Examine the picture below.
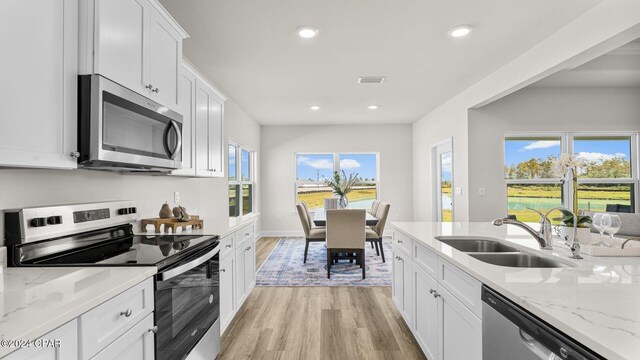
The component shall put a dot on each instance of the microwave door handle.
(179, 270)
(173, 153)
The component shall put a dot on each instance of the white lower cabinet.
(426, 327)
(135, 344)
(227, 291)
(237, 272)
(446, 327)
(460, 329)
(67, 335)
(402, 284)
(120, 328)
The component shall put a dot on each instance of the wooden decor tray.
(164, 225)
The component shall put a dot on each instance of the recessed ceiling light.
(307, 32)
(315, 107)
(373, 107)
(460, 31)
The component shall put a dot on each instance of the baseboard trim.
(297, 233)
(281, 233)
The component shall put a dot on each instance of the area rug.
(285, 267)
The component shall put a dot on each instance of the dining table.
(320, 218)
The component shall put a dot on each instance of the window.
(313, 169)
(241, 180)
(607, 180)
(530, 180)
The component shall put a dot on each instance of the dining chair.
(346, 234)
(374, 207)
(310, 234)
(374, 233)
(312, 225)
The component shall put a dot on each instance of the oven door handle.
(171, 273)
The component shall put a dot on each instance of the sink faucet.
(543, 236)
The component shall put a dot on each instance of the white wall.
(607, 26)
(22, 188)
(280, 143)
(537, 109)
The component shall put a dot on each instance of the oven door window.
(132, 129)
(186, 307)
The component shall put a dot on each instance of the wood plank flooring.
(319, 323)
(264, 247)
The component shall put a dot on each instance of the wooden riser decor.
(164, 225)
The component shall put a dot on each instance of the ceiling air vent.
(371, 79)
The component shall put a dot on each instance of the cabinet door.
(135, 344)
(164, 60)
(461, 330)
(67, 335)
(239, 276)
(227, 290)
(204, 98)
(186, 107)
(397, 286)
(39, 83)
(216, 137)
(402, 285)
(426, 313)
(119, 42)
(249, 265)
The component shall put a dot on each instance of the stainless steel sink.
(520, 260)
(477, 245)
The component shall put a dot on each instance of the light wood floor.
(319, 323)
(264, 246)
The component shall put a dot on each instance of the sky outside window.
(362, 164)
(314, 167)
(232, 162)
(246, 165)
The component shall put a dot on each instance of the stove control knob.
(123, 211)
(54, 220)
(133, 210)
(38, 222)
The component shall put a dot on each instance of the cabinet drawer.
(103, 324)
(227, 245)
(461, 285)
(402, 241)
(425, 259)
(137, 343)
(244, 233)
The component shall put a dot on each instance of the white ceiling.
(619, 68)
(251, 51)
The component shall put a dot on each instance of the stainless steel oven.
(188, 308)
(121, 130)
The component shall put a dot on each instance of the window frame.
(239, 181)
(336, 167)
(567, 146)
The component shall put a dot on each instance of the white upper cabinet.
(165, 60)
(135, 43)
(119, 41)
(186, 107)
(39, 83)
(202, 108)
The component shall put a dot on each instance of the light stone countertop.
(211, 226)
(597, 302)
(38, 300)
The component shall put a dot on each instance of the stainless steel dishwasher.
(511, 333)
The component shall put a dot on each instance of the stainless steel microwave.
(121, 130)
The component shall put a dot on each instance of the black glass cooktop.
(116, 246)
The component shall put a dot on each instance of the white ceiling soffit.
(618, 68)
(251, 51)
